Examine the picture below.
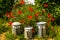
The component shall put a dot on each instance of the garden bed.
(29, 17)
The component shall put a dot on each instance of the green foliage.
(9, 36)
(21, 37)
(3, 27)
(5, 6)
(57, 33)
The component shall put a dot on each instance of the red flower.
(10, 23)
(48, 20)
(30, 9)
(49, 16)
(36, 14)
(29, 17)
(6, 14)
(45, 5)
(22, 2)
(9, 14)
(33, 30)
(19, 12)
(52, 19)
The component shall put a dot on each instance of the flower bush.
(28, 15)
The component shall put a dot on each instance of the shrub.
(5, 6)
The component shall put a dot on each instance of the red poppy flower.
(8, 14)
(52, 19)
(19, 12)
(45, 5)
(29, 17)
(33, 30)
(36, 14)
(22, 2)
(49, 16)
(48, 20)
(11, 13)
(30, 9)
(10, 23)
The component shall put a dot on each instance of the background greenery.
(5, 6)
